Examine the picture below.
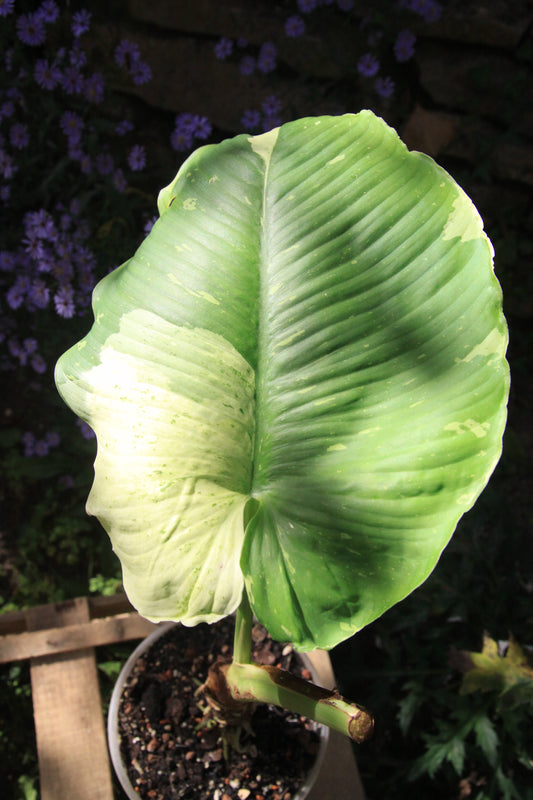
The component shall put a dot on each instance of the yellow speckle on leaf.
(335, 160)
(492, 345)
(479, 429)
(190, 204)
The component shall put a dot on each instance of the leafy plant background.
(142, 88)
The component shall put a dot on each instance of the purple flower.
(16, 350)
(294, 26)
(64, 302)
(433, 13)
(7, 261)
(46, 75)
(186, 122)
(52, 439)
(39, 294)
(7, 167)
(77, 56)
(63, 271)
(223, 48)
(16, 294)
(149, 224)
(66, 482)
(181, 140)
(48, 11)
(137, 157)
(202, 127)
(38, 364)
(270, 122)
(5, 194)
(72, 80)
(368, 65)
(141, 73)
(30, 29)
(384, 87)
(247, 65)
(41, 448)
(41, 224)
(266, 60)
(428, 9)
(306, 6)
(19, 136)
(80, 22)
(127, 53)
(33, 245)
(404, 46)
(6, 7)
(271, 105)
(94, 88)
(123, 127)
(86, 431)
(30, 345)
(345, 5)
(28, 440)
(72, 126)
(251, 120)
(7, 109)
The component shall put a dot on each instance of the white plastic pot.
(113, 732)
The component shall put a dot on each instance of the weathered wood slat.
(69, 726)
(93, 633)
(99, 606)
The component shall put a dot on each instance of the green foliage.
(18, 765)
(297, 419)
(510, 674)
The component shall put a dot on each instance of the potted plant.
(298, 385)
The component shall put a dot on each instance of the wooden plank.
(69, 725)
(107, 630)
(99, 606)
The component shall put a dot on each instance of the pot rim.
(113, 736)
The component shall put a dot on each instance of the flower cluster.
(379, 45)
(39, 447)
(188, 129)
(402, 44)
(52, 265)
(250, 60)
(61, 78)
(429, 10)
(265, 118)
(128, 57)
(52, 117)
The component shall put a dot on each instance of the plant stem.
(242, 642)
(258, 683)
(248, 682)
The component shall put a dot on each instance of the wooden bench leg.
(70, 731)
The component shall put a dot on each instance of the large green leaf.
(297, 382)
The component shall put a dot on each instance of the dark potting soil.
(170, 755)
